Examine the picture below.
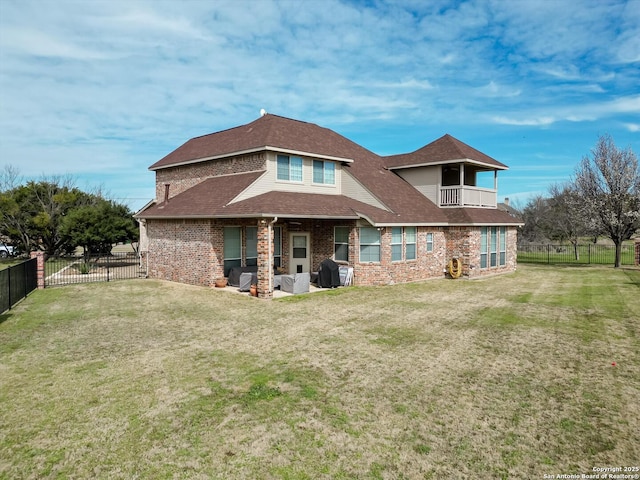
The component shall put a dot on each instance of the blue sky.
(100, 90)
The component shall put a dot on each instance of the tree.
(97, 227)
(35, 216)
(608, 185)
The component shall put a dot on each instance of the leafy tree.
(45, 215)
(608, 186)
(97, 227)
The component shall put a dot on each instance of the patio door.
(299, 252)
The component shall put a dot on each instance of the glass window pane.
(318, 176)
(483, 240)
(369, 235)
(232, 242)
(295, 171)
(299, 241)
(252, 242)
(503, 258)
(341, 234)
(299, 252)
(411, 251)
(429, 242)
(329, 173)
(370, 253)
(483, 260)
(283, 167)
(410, 234)
(396, 253)
(342, 252)
(493, 260)
(277, 241)
(396, 235)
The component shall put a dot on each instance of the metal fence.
(93, 268)
(587, 253)
(17, 282)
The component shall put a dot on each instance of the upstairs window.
(289, 168)
(324, 172)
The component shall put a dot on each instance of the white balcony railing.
(468, 197)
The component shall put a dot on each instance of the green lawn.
(507, 377)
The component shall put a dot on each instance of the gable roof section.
(267, 131)
(446, 149)
(211, 199)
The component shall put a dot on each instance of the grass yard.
(507, 377)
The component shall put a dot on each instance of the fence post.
(589, 253)
(40, 268)
(637, 262)
(548, 253)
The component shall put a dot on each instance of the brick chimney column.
(40, 268)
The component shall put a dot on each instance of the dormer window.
(324, 172)
(289, 168)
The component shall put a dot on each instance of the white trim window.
(403, 243)
(490, 239)
(251, 246)
(396, 244)
(324, 172)
(341, 243)
(369, 245)
(429, 242)
(232, 249)
(410, 243)
(289, 168)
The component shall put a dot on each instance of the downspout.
(269, 240)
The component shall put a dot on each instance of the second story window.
(289, 168)
(324, 172)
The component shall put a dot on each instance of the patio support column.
(265, 261)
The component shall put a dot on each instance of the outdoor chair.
(297, 283)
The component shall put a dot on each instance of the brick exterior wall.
(184, 177)
(426, 265)
(192, 251)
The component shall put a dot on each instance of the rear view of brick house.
(279, 193)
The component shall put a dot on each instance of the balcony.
(466, 196)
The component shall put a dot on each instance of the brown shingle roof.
(442, 150)
(211, 198)
(267, 131)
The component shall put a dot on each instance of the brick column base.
(40, 268)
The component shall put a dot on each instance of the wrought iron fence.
(17, 282)
(92, 268)
(587, 253)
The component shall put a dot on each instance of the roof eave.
(445, 162)
(254, 150)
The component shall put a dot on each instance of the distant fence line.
(582, 253)
(92, 268)
(17, 282)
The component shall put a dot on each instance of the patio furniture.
(328, 274)
(235, 272)
(246, 280)
(296, 283)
